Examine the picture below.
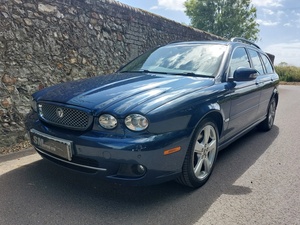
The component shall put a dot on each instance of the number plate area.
(56, 146)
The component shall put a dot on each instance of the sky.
(279, 23)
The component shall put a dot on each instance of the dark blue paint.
(173, 104)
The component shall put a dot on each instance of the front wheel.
(201, 155)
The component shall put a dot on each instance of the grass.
(288, 73)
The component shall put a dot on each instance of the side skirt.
(240, 134)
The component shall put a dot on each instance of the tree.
(225, 18)
(283, 64)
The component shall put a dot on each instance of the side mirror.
(244, 74)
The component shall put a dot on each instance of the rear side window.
(256, 61)
(267, 63)
(239, 59)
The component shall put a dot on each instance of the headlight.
(33, 105)
(108, 121)
(136, 122)
(40, 109)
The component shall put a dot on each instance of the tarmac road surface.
(256, 181)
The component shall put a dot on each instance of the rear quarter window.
(267, 63)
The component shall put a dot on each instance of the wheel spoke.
(270, 119)
(273, 109)
(272, 112)
(212, 146)
(206, 131)
(199, 147)
(211, 156)
(198, 167)
(207, 165)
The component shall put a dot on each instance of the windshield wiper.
(148, 71)
(159, 72)
(130, 71)
(142, 71)
(194, 75)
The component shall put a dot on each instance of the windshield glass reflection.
(183, 59)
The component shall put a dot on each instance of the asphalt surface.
(256, 181)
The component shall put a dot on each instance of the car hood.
(122, 92)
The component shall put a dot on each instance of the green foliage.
(225, 18)
(288, 73)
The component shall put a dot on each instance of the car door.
(244, 96)
(265, 81)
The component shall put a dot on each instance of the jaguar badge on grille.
(60, 112)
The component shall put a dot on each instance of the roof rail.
(239, 39)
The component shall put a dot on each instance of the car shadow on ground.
(50, 190)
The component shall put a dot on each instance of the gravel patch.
(15, 148)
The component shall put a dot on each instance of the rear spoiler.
(272, 57)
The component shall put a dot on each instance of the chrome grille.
(64, 117)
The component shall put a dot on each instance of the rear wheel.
(201, 155)
(268, 123)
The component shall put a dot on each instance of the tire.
(201, 155)
(268, 123)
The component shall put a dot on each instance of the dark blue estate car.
(163, 116)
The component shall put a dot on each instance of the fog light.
(131, 170)
(140, 169)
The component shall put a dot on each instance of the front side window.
(256, 61)
(196, 59)
(239, 59)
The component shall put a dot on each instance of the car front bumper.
(138, 160)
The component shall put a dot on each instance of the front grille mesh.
(65, 117)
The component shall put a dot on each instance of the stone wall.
(44, 42)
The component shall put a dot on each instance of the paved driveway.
(256, 181)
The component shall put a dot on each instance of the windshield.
(185, 59)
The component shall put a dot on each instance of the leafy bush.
(288, 73)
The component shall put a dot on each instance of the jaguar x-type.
(163, 116)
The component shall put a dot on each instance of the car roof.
(233, 42)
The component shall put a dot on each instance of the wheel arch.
(188, 177)
(215, 116)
